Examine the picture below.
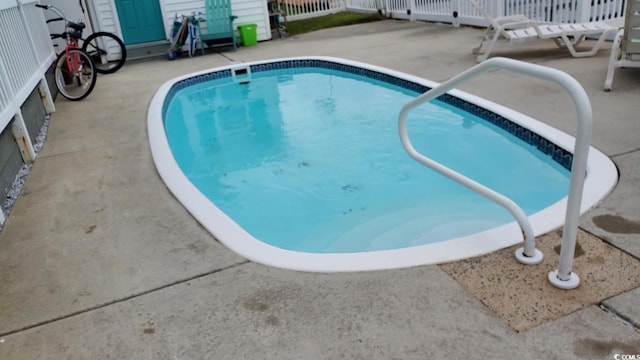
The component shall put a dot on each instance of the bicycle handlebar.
(77, 26)
(54, 19)
(55, 10)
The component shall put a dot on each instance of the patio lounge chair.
(625, 51)
(513, 29)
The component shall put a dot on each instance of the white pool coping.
(598, 184)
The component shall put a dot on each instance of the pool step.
(404, 226)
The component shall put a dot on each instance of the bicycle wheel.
(75, 74)
(106, 50)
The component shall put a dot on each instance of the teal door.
(140, 21)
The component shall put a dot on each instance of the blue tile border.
(323, 64)
(215, 75)
(558, 154)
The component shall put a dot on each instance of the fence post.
(498, 8)
(583, 11)
(344, 5)
(455, 13)
(46, 96)
(21, 135)
(412, 10)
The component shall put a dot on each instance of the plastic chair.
(219, 25)
(625, 51)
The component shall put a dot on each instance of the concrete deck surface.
(99, 261)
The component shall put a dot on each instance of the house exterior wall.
(253, 12)
(104, 16)
(99, 15)
(247, 11)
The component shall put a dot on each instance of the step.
(146, 51)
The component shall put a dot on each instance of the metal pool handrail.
(563, 277)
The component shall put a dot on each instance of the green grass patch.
(328, 21)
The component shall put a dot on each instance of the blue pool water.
(309, 159)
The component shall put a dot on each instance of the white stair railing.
(563, 277)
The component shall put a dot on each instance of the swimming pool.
(377, 216)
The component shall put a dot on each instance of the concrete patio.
(100, 261)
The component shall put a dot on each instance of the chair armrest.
(514, 25)
(513, 22)
(510, 18)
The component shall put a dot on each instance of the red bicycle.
(75, 72)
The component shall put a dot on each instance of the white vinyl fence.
(26, 52)
(555, 11)
(25, 55)
(304, 9)
(459, 12)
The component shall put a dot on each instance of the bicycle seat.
(79, 26)
(75, 34)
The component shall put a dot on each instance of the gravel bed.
(21, 177)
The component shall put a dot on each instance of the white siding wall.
(171, 8)
(248, 11)
(105, 16)
(70, 9)
(253, 12)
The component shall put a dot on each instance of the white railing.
(461, 12)
(567, 11)
(364, 5)
(26, 52)
(562, 278)
(544, 11)
(304, 9)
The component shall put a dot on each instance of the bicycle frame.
(73, 62)
(106, 49)
(74, 66)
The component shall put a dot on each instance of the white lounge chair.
(516, 28)
(625, 51)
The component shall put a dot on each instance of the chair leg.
(575, 41)
(579, 54)
(559, 42)
(486, 36)
(484, 55)
(613, 59)
(477, 50)
(578, 40)
(570, 47)
(200, 39)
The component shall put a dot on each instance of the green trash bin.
(248, 34)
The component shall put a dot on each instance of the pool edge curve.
(597, 186)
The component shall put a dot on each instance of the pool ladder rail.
(563, 277)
